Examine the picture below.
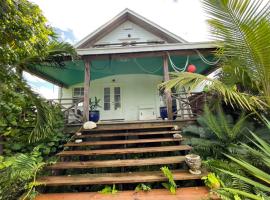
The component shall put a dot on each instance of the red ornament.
(191, 68)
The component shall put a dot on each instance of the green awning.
(73, 71)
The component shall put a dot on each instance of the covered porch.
(126, 81)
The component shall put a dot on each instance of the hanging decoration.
(191, 68)
(146, 70)
(176, 69)
(207, 61)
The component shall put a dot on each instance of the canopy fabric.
(73, 71)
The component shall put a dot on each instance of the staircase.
(122, 154)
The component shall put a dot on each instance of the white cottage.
(122, 63)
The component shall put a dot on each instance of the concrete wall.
(139, 96)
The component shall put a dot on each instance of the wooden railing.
(71, 108)
(188, 105)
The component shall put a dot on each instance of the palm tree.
(53, 54)
(241, 29)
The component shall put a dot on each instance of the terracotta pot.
(194, 162)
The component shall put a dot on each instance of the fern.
(19, 175)
(217, 133)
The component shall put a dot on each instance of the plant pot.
(94, 116)
(164, 113)
(194, 162)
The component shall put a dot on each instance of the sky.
(74, 19)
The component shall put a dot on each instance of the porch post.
(167, 93)
(86, 90)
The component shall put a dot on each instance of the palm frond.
(231, 95)
(44, 120)
(243, 193)
(54, 54)
(247, 180)
(257, 177)
(244, 28)
(252, 170)
(242, 31)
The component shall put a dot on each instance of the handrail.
(189, 104)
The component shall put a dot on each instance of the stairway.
(122, 154)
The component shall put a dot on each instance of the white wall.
(120, 34)
(138, 92)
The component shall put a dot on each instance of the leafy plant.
(243, 177)
(171, 185)
(259, 178)
(217, 133)
(94, 104)
(18, 121)
(27, 41)
(142, 187)
(18, 174)
(109, 190)
(212, 181)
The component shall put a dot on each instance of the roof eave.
(149, 48)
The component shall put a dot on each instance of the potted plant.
(163, 108)
(94, 114)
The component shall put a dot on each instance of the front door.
(112, 103)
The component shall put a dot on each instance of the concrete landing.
(190, 193)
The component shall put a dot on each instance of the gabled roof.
(130, 15)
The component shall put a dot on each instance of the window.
(78, 92)
(117, 98)
(112, 98)
(107, 98)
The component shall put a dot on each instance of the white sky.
(184, 18)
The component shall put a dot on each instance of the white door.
(112, 103)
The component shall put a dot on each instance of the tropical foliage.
(28, 40)
(216, 134)
(18, 174)
(27, 121)
(242, 31)
(248, 176)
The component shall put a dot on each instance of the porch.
(187, 107)
(127, 82)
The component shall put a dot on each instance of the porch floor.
(139, 121)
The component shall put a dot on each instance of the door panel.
(112, 103)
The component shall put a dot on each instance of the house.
(122, 63)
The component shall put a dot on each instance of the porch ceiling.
(73, 71)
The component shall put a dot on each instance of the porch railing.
(188, 105)
(72, 109)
